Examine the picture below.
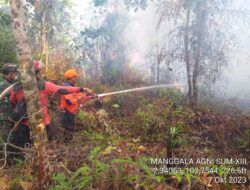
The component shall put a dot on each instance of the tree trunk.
(46, 56)
(152, 70)
(158, 66)
(158, 70)
(44, 42)
(28, 77)
(200, 28)
(97, 62)
(187, 56)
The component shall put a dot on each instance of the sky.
(141, 33)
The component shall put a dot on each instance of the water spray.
(139, 89)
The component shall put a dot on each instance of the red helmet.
(37, 65)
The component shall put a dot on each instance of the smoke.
(143, 35)
(237, 78)
(143, 38)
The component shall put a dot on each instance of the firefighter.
(9, 76)
(45, 88)
(71, 102)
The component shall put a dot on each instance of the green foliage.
(116, 110)
(94, 153)
(19, 162)
(130, 4)
(94, 136)
(176, 139)
(149, 174)
(81, 178)
(87, 121)
(108, 150)
(57, 24)
(92, 173)
(209, 30)
(82, 115)
(222, 170)
(61, 182)
(174, 94)
(111, 72)
(160, 122)
(141, 164)
(4, 2)
(15, 184)
(208, 151)
(102, 117)
(116, 106)
(244, 140)
(148, 123)
(185, 174)
(85, 174)
(103, 45)
(5, 19)
(7, 42)
(98, 88)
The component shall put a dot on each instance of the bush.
(7, 41)
(175, 95)
(97, 173)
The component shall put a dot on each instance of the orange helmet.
(70, 74)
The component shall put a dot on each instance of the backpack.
(20, 111)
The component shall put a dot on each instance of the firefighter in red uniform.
(71, 102)
(45, 88)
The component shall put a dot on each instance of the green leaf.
(108, 150)
(82, 115)
(116, 106)
(94, 153)
(84, 170)
(61, 182)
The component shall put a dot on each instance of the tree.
(28, 79)
(49, 27)
(7, 42)
(154, 60)
(198, 43)
(203, 38)
(130, 4)
(101, 45)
